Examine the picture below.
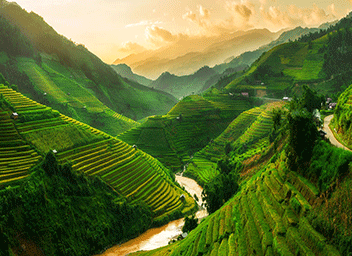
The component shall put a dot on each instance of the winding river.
(157, 237)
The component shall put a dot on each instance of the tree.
(219, 190)
(190, 224)
(277, 117)
(310, 99)
(302, 136)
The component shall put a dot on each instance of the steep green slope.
(247, 135)
(278, 71)
(126, 72)
(129, 171)
(314, 59)
(277, 212)
(341, 123)
(181, 86)
(187, 128)
(76, 82)
(57, 211)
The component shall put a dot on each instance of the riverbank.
(157, 237)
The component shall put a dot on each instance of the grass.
(250, 128)
(131, 172)
(260, 220)
(188, 127)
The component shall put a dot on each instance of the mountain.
(178, 139)
(249, 57)
(126, 72)
(181, 86)
(192, 58)
(251, 128)
(56, 71)
(279, 209)
(110, 190)
(314, 59)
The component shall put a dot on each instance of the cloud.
(143, 23)
(242, 11)
(129, 47)
(296, 16)
(201, 18)
(158, 35)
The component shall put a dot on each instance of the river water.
(157, 237)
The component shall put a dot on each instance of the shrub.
(190, 223)
(328, 164)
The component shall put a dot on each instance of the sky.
(113, 29)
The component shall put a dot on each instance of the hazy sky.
(115, 28)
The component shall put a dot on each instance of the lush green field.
(187, 128)
(57, 211)
(68, 90)
(251, 129)
(282, 70)
(267, 217)
(129, 171)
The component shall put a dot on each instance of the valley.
(240, 146)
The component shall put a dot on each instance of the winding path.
(330, 134)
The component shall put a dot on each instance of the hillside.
(247, 135)
(126, 72)
(181, 86)
(73, 80)
(341, 122)
(314, 59)
(186, 128)
(39, 129)
(279, 210)
(65, 213)
(249, 57)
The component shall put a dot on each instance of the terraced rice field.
(16, 155)
(130, 171)
(187, 127)
(268, 217)
(249, 129)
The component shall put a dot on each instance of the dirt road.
(330, 135)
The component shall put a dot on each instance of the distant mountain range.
(200, 80)
(187, 57)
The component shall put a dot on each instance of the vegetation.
(131, 172)
(245, 138)
(55, 200)
(191, 223)
(177, 139)
(67, 77)
(219, 190)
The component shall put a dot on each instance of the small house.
(135, 147)
(14, 116)
(54, 151)
(45, 94)
(245, 94)
(182, 198)
(332, 105)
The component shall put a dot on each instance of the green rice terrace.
(186, 128)
(277, 212)
(38, 129)
(247, 134)
(282, 70)
(67, 91)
